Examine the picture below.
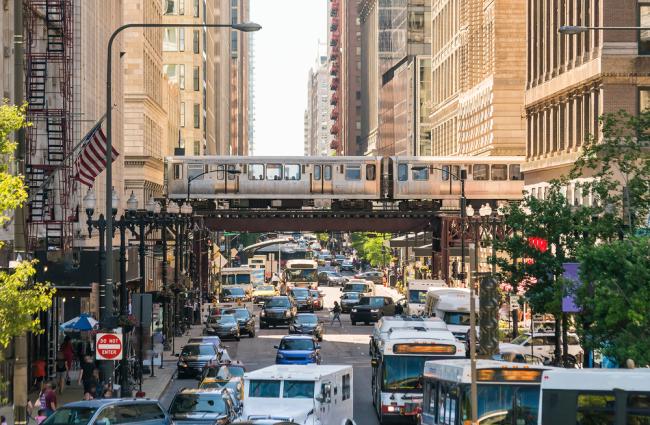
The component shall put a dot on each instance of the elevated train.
(342, 182)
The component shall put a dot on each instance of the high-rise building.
(574, 79)
(478, 72)
(239, 79)
(320, 112)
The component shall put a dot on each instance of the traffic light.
(116, 299)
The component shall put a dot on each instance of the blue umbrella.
(81, 323)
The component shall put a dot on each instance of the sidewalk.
(153, 387)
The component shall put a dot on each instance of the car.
(349, 300)
(371, 309)
(202, 406)
(317, 299)
(376, 277)
(224, 326)
(363, 287)
(338, 259)
(298, 349)
(263, 293)
(347, 266)
(307, 324)
(219, 372)
(193, 358)
(107, 411)
(245, 320)
(302, 297)
(214, 340)
(542, 345)
(278, 310)
(518, 358)
(232, 294)
(331, 278)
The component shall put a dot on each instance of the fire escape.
(48, 164)
(335, 72)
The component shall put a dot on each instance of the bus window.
(370, 171)
(317, 170)
(292, 172)
(595, 408)
(515, 172)
(481, 172)
(420, 174)
(402, 172)
(274, 172)
(256, 172)
(353, 172)
(327, 173)
(178, 171)
(499, 172)
(638, 409)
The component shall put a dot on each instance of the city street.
(341, 345)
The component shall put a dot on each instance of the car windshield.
(198, 350)
(334, 274)
(351, 296)
(417, 296)
(297, 344)
(298, 389)
(355, 287)
(307, 319)
(301, 275)
(265, 288)
(264, 388)
(227, 319)
(240, 313)
(215, 340)
(71, 415)
(496, 407)
(300, 293)
(233, 291)
(237, 371)
(520, 340)
(211, 384)
(237, 279)
(314, 293)
(278, 302)
(372, 302)
(456, 318)
(404, 372)
(197, 403)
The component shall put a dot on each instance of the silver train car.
(341, 182)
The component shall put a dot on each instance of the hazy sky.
(285, 49)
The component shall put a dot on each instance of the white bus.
(452, 306)
(301, 274)
(595, 396)
(397, 369)
(508, 393)
(388, 324)
(417, 294)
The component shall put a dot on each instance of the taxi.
(263, 293)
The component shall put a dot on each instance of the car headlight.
(182, 363)
(374, 310)
(287, 313)
(263, 313)
(354, 310)
(233, 329)
(280, 356)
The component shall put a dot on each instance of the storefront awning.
(413, 240)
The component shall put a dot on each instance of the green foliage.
(616, 302)
(371, 247)
(20, 299)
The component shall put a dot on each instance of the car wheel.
(366, 323)
(264, 326)
(251, 334)
(237, 337)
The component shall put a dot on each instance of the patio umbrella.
(81, 323)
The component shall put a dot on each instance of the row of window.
(480, 172)
(176, 75)
(282, 171)
(177, 7)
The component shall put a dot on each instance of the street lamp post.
(579, 29)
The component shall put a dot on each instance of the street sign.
(514, 302)
(108, 346)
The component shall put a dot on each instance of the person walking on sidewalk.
(86, 375)
(61, 370)
(336, 314)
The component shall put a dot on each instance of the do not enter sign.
(108, 347)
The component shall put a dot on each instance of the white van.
(416, 294)
(304, 394)
(452, 306)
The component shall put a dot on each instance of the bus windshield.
(496, 407)
(456, 318)
(417, 296)
(301, 275)
(403, 373)
(236, 279)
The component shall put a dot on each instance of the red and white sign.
(108, 347)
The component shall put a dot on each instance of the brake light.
(391, 408)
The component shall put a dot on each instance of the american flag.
(92, 159)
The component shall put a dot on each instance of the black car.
(245, 319)
(194, 357)
(302, 298)
(232, 294)
(349, 300)
(277, 311)
(371, 309)
(224, 326)
(347, 266)
(331, 278)
(307, 324)
(202, 406)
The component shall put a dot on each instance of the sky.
(285, 49)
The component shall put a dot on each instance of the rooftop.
(299, 372)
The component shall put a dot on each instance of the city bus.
(595, 396)
(397, 369)
(508, 393)
(301, 274)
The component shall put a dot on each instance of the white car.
(542, 345)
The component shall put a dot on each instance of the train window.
(274, 172)
(292, 172)
(515, 172)
(420, 174)
(371, 171)
(327, 172)
(178, 171)
(193, 170)
(353, 172)
(317, 171)
(481, 172)
(256, 172)
(402, 172)
(445, 173)
(499, 172)
(218, 170)
(231, 175)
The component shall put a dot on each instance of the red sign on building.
(108, 346)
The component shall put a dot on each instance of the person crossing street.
(336, 314)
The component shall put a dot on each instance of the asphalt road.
(341, 345)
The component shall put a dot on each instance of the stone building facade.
(319, 110)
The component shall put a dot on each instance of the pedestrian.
(336, 314)
(38, 372)
(61, 367)
(90, 395)
(50, 399)
(40, 417)
(399, 310)
(86, 376)
(3, 420)
(68, 353)
(197, 313)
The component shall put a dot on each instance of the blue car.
(110, 411)
(298, 349)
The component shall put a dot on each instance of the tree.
(616, 299)
(21, 299)
(371, 247)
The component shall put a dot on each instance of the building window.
(196, 8)
(181, 7)
(195, 41)
(181, 39)
(170, 7)
(195, 77)
(197, 147)
(197, 115)
(181, 76)
(644, 36)
(644, 99)
(182, 123)
(170, 40)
